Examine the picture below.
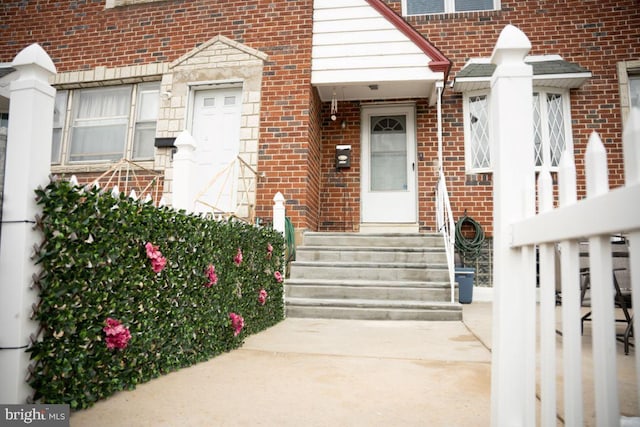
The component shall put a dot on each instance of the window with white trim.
(629, 82)
(551, 121)
(634, 91)
(428, 7)
(105, 124)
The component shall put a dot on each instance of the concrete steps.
(371, 276)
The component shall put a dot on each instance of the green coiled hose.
(469, 248)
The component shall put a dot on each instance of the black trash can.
(464, 278)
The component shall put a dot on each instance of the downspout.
(439, 88)
(444, 215)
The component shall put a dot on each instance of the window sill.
(481, 14)
(110, 4)
(94, 167)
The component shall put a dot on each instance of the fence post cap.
(185, 140)
(31, 55)
(512, 46)
(278, 198)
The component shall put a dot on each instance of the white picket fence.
(519, 230)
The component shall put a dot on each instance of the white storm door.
(216, 128)
(388, 165)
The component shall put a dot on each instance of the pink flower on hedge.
(212, 276)
(238, 258)
(262, 297)
(269, 250)
(158, 262)
(278, 276)
(237, 322)
(118, 336)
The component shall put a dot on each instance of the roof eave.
(439, 62)
(567, 81)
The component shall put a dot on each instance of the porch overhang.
(548, 71)
(363, 50)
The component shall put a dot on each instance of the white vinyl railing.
(601, 214)
(519, 231)
(446, 226)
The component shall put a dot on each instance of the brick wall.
(594, 34)
(83, 35)
(340, 190)
(297, 157)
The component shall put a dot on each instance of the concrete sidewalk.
(314, 372)
(309, 372)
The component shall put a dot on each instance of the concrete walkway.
(310, 372)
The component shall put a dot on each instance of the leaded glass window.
(551, 129)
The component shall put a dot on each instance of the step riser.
(367, 273)
(370, 256)
(372, 314)
(371, 277)
(373, 241)
(357, 292)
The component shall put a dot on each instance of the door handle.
(413, 166)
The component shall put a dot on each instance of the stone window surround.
(626, 68)
(217, 62)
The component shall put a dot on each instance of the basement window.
(429, 7)
(110, 4)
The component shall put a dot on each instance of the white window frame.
(449, 7)
(468, 149)
(132, 120)
(627, 70)
(542, 91)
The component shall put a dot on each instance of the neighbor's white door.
(216, 128)
(388, 180)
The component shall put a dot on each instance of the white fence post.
(278, 212)
(602, 297)
(511, 115)
(183, 172)
(28, 161)
(547, 309)
(571, 311)
(631, 141)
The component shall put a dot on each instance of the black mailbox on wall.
(343, 156)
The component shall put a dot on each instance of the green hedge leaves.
(95, 266)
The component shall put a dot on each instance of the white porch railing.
(446, 226)
(517, 232)
(444, 216)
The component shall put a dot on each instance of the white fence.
(518, 231)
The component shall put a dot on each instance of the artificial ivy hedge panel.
(129, 291)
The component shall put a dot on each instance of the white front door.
(388, 180)
(216, 128)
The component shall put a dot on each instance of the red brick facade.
(297, 139)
